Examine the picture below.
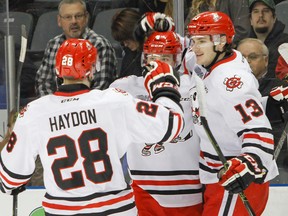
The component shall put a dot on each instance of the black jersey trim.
(175, 192)
(108, 212)
(14, 175)
(256, 130)
(164, 173)
(208, 169)
(267, 150)
(169, 129)
(85, 198)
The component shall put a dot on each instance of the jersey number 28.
(90, 157)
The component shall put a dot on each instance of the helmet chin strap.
(218, 53)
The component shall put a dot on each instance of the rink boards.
(30, 200)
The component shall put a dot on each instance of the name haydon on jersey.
(80, 140)
(171, 176)
(235, 116)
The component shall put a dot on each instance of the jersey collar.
(71, 90)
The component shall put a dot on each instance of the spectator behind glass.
(151, 6)
(73, 19)
(198, 6)
(266, 27)
(162, 6)
(238, 11)
(122, 28)
(256, 53)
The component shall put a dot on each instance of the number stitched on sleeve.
(257, 111)
(147, 108)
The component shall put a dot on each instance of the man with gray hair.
(73, 19)
(267, 28)
(256, 53)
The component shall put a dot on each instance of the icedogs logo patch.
(232, 83)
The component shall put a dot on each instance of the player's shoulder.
(234, 73)
(128, 80)
(115, 95)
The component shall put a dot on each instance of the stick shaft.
(15, 205)
(281, 141)
(200, 87)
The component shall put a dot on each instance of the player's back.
(79, 149)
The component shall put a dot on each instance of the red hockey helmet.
(163, 43)
(76, 58)
(212, 23)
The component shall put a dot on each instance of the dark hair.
(123, 24)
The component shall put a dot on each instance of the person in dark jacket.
(122, 29)
(266, 27)
(238, 11)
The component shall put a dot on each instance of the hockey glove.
(279, 93)
(153, 21)
(161, 80)
(241, 172)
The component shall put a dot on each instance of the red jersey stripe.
(92, 205)
(257, 136)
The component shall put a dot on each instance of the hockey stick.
(18, 77)
(20, 64)
(283, 50)
(202, 109)
(281, 141)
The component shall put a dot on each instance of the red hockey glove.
(279, 93)
(241, 172)
(161, 80)
(153, 21)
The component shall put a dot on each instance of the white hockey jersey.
(80, 137)
(171, 177)
(235, 116)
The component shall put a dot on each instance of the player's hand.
(279, 93)
(14, 191)
(153, 21)
(18, 190)
(161, 80)
(241, 172)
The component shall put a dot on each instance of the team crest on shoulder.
(232, 83)
(120, 91)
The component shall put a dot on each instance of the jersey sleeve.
(150, 122)
(240, 105)
(20, 149)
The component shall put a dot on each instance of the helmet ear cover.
(212, 23)
(76, 59)
(162, 43)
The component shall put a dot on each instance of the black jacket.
(274, 109)
(131, 63)
(273, 41)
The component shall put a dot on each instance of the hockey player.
(236, 119)
(165, 179)
(81, 134)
